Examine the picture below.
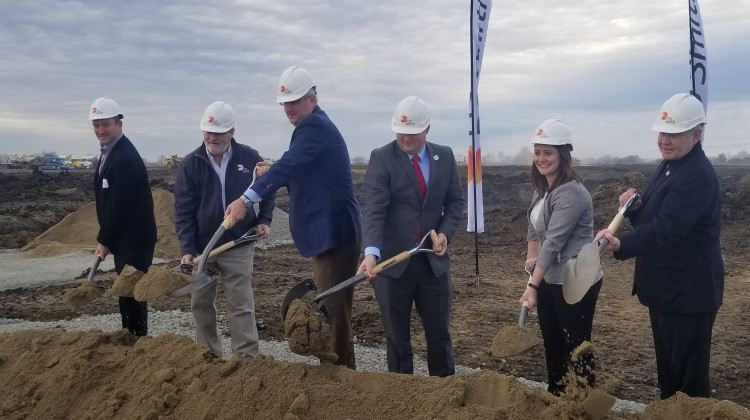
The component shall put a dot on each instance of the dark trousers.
(329, 269)
(432, 298)
(683, 352)
(564, 327)
(134, 313)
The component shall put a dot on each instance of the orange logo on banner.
(471, 165)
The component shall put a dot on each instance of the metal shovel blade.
(201, 279)
(578, 277)
(580, 272)
(301, 289)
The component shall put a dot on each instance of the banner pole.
(473, 143)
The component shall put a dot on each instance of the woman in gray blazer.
(560, 223)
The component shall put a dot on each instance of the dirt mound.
(159, 282)
(58, 374)
(78, 230)
(307, 330)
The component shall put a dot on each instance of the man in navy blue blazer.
(324, 215)
(679, 271)
(124, 206)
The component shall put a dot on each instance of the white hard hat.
(294, 83)
(680, 113)
(412, 116)
(218, 118)
(553, 132)
(103, 108)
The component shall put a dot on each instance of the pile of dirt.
(159, 282)
(58, 374)
(78, 230)
(307, 331)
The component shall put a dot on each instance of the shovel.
(306, 287)
(94, 267)
(512, 341)
(202, 279)
(580, 272)
(247, 237)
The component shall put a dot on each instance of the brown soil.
(56, 375)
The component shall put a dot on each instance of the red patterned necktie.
(420, 177)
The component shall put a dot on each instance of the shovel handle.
(361, 276)
(616, 222)
(390, 262)
(216, 250)
(434, 238)
(524, 313)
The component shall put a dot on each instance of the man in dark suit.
(679, 272)
(410, 187)
(124, 206)
(324, 217)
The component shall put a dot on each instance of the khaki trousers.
(236, 268)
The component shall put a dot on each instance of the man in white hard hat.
(324, 215)
(679, 272)
(209, 178)
(124, 206)
(411, 187)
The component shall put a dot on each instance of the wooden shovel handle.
(216, 250)
(434, 238)
(616, 222)
(391, 262)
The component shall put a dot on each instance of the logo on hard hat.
(541, 134)
(406, 121)
(283, 89)
(95, 111)
(666, 118)
(211, 120)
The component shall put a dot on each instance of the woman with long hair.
(560, 223)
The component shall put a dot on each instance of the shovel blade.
(303, 288)
(580, 273)
(201, 280)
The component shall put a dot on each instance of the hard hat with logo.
(412, 116)
(680, 113)
(553, 132)
(218, 118)
(294, 83)
(103, 108)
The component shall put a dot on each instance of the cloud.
(603, 67)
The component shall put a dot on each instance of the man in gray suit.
(411, 187)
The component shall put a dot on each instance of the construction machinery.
(173, 161)
(47, 161)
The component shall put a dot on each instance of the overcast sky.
(602, 66)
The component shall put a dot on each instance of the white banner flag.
(698, 65)
(480, 18)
